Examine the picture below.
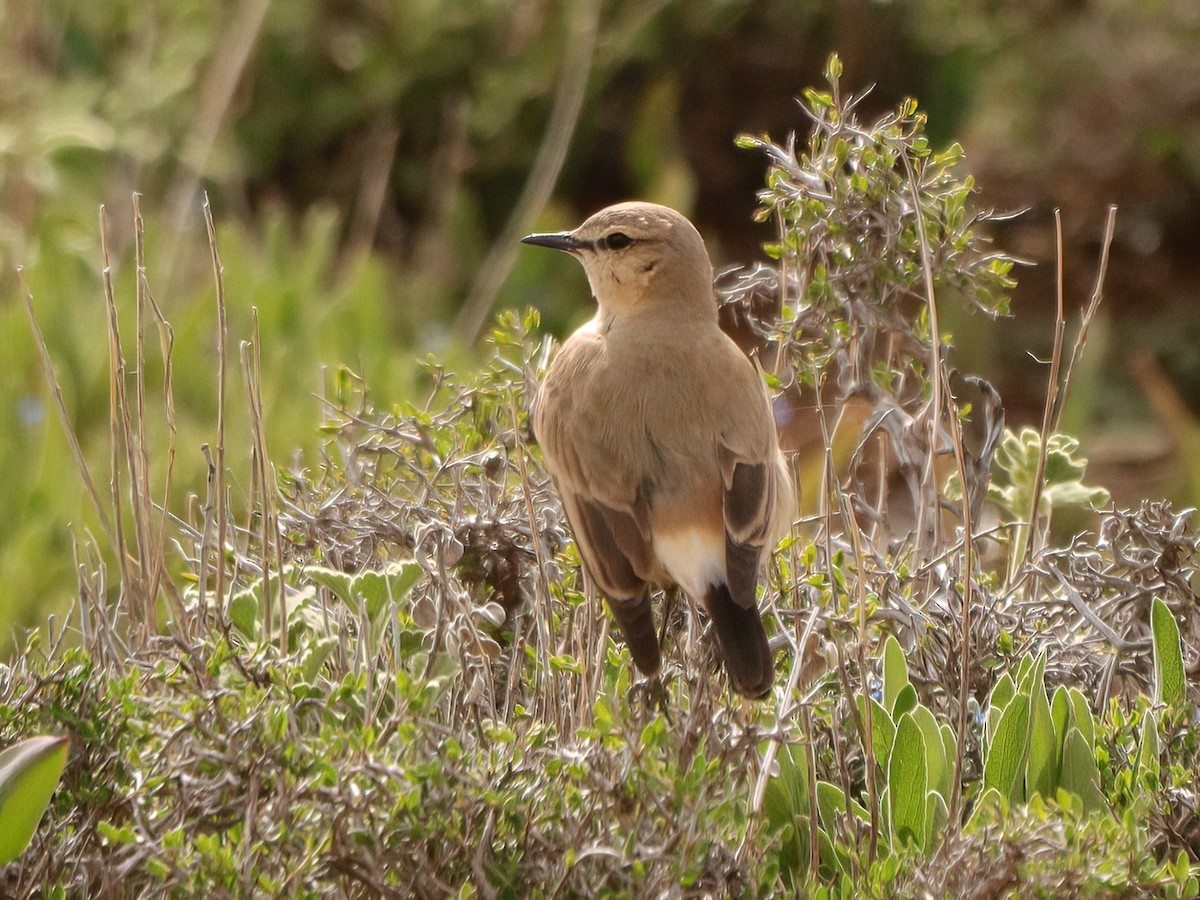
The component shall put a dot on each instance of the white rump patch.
(693, 557)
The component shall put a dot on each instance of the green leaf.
(29, 772)
(1041, 766)
(831, 805)
(1080, 775)
(1015, 474)
(1147, 763)
(908, 784)
(895, 674)
(950, 745)
(831, 860)
(831, 801)
(369, 587)
(1082, 716)
(340, 583)
(401, 576)
(885, 814)
(785, 805)
(243, 612)
(882, 730)
(793, 777)
(1002, 692)
(990, 806)
(937, 815)
(1032, 675)
(1062, 715)
(377, 587)
(818, 99)
(936, 763)
(1006, 754)
(906, 701)
(1075, 494)
(315, 655)
(1169, 679)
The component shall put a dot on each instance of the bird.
(658, 435)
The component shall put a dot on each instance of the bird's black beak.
(562, 241)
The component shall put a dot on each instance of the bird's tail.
(743, 643)
(636, 621)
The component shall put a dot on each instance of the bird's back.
(657, 417)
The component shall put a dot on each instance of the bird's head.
(639, 256)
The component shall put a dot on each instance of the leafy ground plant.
(385, 675)
(29, 773)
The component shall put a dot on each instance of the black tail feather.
(636, 621)
(743, 642)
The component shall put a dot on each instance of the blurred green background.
(368, 164)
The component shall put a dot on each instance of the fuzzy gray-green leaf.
(1079, 773)
(1061, 715)
(1041, 766)
(1002, 693)
(1148, 749)
(895, 673)
(882, 730)
(1082, 716)
(1169, 679)
(908, 783)
(936, 763)
(1006, 753)
(29, 773)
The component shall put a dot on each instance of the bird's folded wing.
(749, 515)
(757, 486)
(614, 544)
(600, 490)
(749, 495)
(755, 498)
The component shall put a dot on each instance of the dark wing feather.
(746, 499)
(614, 548)
(617, 554)
(747, 523)
(749, 495)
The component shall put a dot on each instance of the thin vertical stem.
(930, 508)
(968, 579)
(64, 416)
(117, 422)
(1089, 315)
(864, 671)
(222, 359)
(167, 347)
(1060, 326)
(543, 620)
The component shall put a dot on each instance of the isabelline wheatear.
(658, 433)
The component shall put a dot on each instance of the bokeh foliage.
(363, 156)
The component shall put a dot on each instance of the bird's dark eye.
(617, 240)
